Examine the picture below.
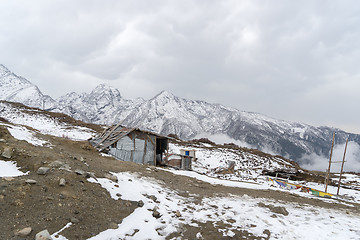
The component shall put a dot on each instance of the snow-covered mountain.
(17, 89)
(166, 113)
(104, 105)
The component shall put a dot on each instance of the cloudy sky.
(292, 60)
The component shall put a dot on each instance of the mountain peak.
(106, 89)
(164, 94)
(3, 68)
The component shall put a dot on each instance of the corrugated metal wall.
(150, 151)
(140, 152)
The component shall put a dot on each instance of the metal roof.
(115, 133)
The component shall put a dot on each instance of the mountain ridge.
(166, 113)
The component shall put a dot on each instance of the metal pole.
(328, 171)
(342, 167)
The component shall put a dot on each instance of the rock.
(178, 214)
(30, 181)
(42, 170)
(2, 140)
(65, 167)
(8, 179)
(113, 225)
(80, 172)
(56, 164)
(74, 220)
(280, 210)
(156, 214)
(7, 153)
(43, 235)
(272, 208)
(62, 182)
(140, 203)
(89, 175)
(2, 197)
(24, 232)
(111, 177)
(152, 197)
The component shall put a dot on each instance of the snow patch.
(9, 169)
(22, 133)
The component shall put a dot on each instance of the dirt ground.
(46, 205)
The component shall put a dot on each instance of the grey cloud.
(290, 60)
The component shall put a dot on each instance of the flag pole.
(342, 166)
(328, 171)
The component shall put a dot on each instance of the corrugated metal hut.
(132, 144)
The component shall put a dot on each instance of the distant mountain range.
(166, 113)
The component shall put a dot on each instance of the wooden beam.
(155, 152)
(342, 166)
(116, 139)
(328, 171)
(145, 144)
(108, 134)
(151, 139)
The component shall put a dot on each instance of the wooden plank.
(108, 134)
(116, 139)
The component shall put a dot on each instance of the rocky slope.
(166, 113)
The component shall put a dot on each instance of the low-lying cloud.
(321, 163)
(223, 138)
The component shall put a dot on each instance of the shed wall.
(136, 147)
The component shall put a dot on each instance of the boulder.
(80, 172)
(24, 232)
(30, 181)
(7, 153)
(42, 170)
(111, 177)
(43, 235)
(56, 164)
(62, 182)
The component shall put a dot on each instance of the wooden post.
(328, 171)
(155, 146)
(342, 167)
(145, 145)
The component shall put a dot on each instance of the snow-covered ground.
(43, 123)
(248, 172)
(9, 169)
(210, 161)
(241, 213)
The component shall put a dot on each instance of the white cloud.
(321, 163)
